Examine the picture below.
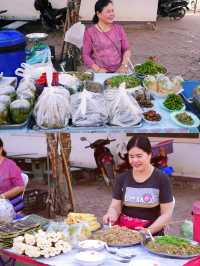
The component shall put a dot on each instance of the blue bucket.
(12, 51)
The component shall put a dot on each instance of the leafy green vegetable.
(149, 67)
(131, 82)
(172, 240)
(81, 75)
(173, 102)
(19, 110)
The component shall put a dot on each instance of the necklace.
(102, 29)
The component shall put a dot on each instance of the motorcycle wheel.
(108, 174)
(180, 14)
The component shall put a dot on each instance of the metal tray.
(165, 255)
(15, 126)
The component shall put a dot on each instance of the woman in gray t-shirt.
(142, 196)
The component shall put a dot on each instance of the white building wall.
(185, 158)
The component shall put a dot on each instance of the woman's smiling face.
(139, 159)
(107, 15)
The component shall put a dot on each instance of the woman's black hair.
(1, 146)
(141, 142)
(99, 6)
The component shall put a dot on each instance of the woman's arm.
(113, 211)
(125, 62)
(12, 192)
(86, 54)
(165, 217)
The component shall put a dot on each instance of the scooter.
(104, 159)
(175, 9)
(51, 18)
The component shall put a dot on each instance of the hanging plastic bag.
(75, 34)
(88, 109)
(34, 71)
(27, 82)
(53, 107)
(7, 212)
(123, 109)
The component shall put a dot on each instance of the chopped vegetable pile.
(173, 245)
(184, 118)
(149, 67)
(130, 81)
(173, 102)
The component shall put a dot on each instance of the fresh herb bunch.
(173, 102)
(172, 240)
(130, 81)
(149, 67)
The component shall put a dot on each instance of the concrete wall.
(24, 9)
(185, 158)
(126, 10)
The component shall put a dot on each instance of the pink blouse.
(105, 49)
(10, 175)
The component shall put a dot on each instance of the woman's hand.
(102, 70)
(110, 218)
(123, 69)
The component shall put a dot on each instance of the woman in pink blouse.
(11, 182)
(105, 44)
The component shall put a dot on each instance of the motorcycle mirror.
(83, 139)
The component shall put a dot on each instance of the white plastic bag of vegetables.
(25, 84)
(88, 109)
(8, 90)
(7, 212)
(20, 110)
(53, 108)
(3, 114)
(123, 109)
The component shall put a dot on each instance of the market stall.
(166, 124)
(78, 240)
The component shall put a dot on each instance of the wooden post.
(60, 199)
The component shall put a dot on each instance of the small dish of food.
(91, 244)
(151, 117)
(185, 119)
(172, 103)
(90, 258)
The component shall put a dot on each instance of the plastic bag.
(5, 99)
(187, 229)
(19, 110)
(3, 114)
(78, 232)
(75, 34)
(123, 109)
(7, 212)
(69, 81)
(27, 95)
(59, 227)
(88, 109)
(25, 84)
(8, 90)
(53, 108)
